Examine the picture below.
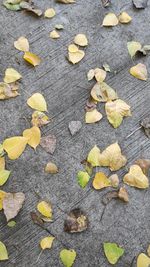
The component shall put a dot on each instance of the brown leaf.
(90, 105)
(144, 165)
(76, 221)
(48, 143)
(145, 123)
(31, 8)
(123, 194)
(12, 203)
(36, 218)
(74, 127)
(140, 3)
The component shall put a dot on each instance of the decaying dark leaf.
(48, 143)
(12, 203)
(109, 196)
(31, 8)
(144, 164)
(74, 127)
(36, 218)
(123, 194)
(90, 105)
(76, 221)
(145, 123)
(140, 3)
(105, 3)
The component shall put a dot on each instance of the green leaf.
(4, 174)
(113, 252)
(11, 223)
(83, 178)
(12, 7)
(3, 252)
(67, 257)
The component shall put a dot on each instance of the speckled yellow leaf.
(14, 146)
(37, 101)
(11, 75)
(110, 20)
(22, 44)
(124, 17)
(72, 48)
(45, 209)
(3, 252)
(49, 13)
(46, 242)
(102, 92)
(133, 47)
(32, 58)
(93, 156)
(2, 195)
(76, 57)
(112, 157)
(139, 71)
(54, 34)
(33, 135)
(39, 118)
(81, 39)
(93, 116)
(2, 163)
(136, 177)
(143, 260)
(101, 181)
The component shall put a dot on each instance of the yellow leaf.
(90, 74)
(136, 178)
(37, 101)
(33, 135)
(101, 181)
(4, 175)
(81, 39)
(124, 18)
(32, 58)
(11, 75)
(100, 75)
(111, 157)
(22, 44)
(39, 118)
(143, 260)
(3, 252)
(110, 20)
(46, 242)
(2, 195)
(49, 13)
(93, 116)
(2, 163)
(54, 34)
(51, 168)
(45, 209)
(93, 156)
(76, 57)
(68, 257)
(15, 146)
(102, 92)
(133, 47)
(139, 71)
(72, 48)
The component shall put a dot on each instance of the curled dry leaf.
(112, 157)
(143, 260)
(74, 127)
(83, 178)
(51, 168)
(81, 40)
(46, 242)
(144, 165)
(114, 179)
(116, 110)
(2, 195)
(45, 209)
(8, 90)
(3, 252)
(12, 204)
(140, 3)
(136, 178)
(139, 71)
(102, 92)
(110, 20)
(31, 8)
(22, 44)
(93, 156)
(76, 57)
(66, 1)
(76, 221)
(93, 116)
(123, 194)
(113, 252)
(48, 143)
(54, 34)
(33, 135)
(37, 101)
(11, 75)
(49, 13)
(67, 256)
(39, 119)
(32, 58)
(145, 123)
(101, 181)
(4, 175)
(36, 219)
(133, 48)
(124, 18)
(14, 146)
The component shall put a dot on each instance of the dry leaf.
(139, 71)
(136, 178)
(100, 75)
(76, 221)
(116, 110)
(22, 44)
(59, 27)
(76, 57)
(90, 74)
(101, 181)
(8, 90)
(102, 92)
(123, 194)
(2, 195)
(144, 165)
(93, 156)
(36, 219)
(124, 18)
(37, 101)
(81, 40)
(46, 242)
(73, 48)
(11, 75)
(39, 119)
(106, 3)
(49, 13)
(51, 168)
(133, 48)
(31, 8)
(66, 1)
(15, 146)
(67, 256)
(12, 204)
(112, 157)
(90, 104)
(140, 3)
(32, 58)
(33, 135)
(54, 34)
(143, 260)
(114, 179)
(93, 116)
(145, 123)
(110, 20)
(45, 209)
(48, 143)
(106, 67)
(74, 127)
(3, 252)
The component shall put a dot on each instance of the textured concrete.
(66, 90)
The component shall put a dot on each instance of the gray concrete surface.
(66, 90)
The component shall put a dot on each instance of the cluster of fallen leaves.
(75, 54)
(111, 19)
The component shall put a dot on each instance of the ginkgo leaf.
(83, 178)
(143, 260)
(45, 209)
(124, 17)
(3, 252)
(14, 146)
(46, 242)
(93, 116)
(39, 119)
(113, 252)
(37, 101)
(49, 13)
(76, 221)
(54, 34)
(112, 157)
(51, 168)
(68, 257)
(33, 135)
(22, 44)
(4, 175)
(81, 39)
(136, 177)
(116, 110)
(139, 71)
(101, 181)
(110, 20)
(76, 57)
(32, 58)
(11, 75)
(2, 163)
(93, 156)
(102, 92)
(2, 195)
(12, 203)
(133, 47)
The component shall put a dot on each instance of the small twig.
(133, 132)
